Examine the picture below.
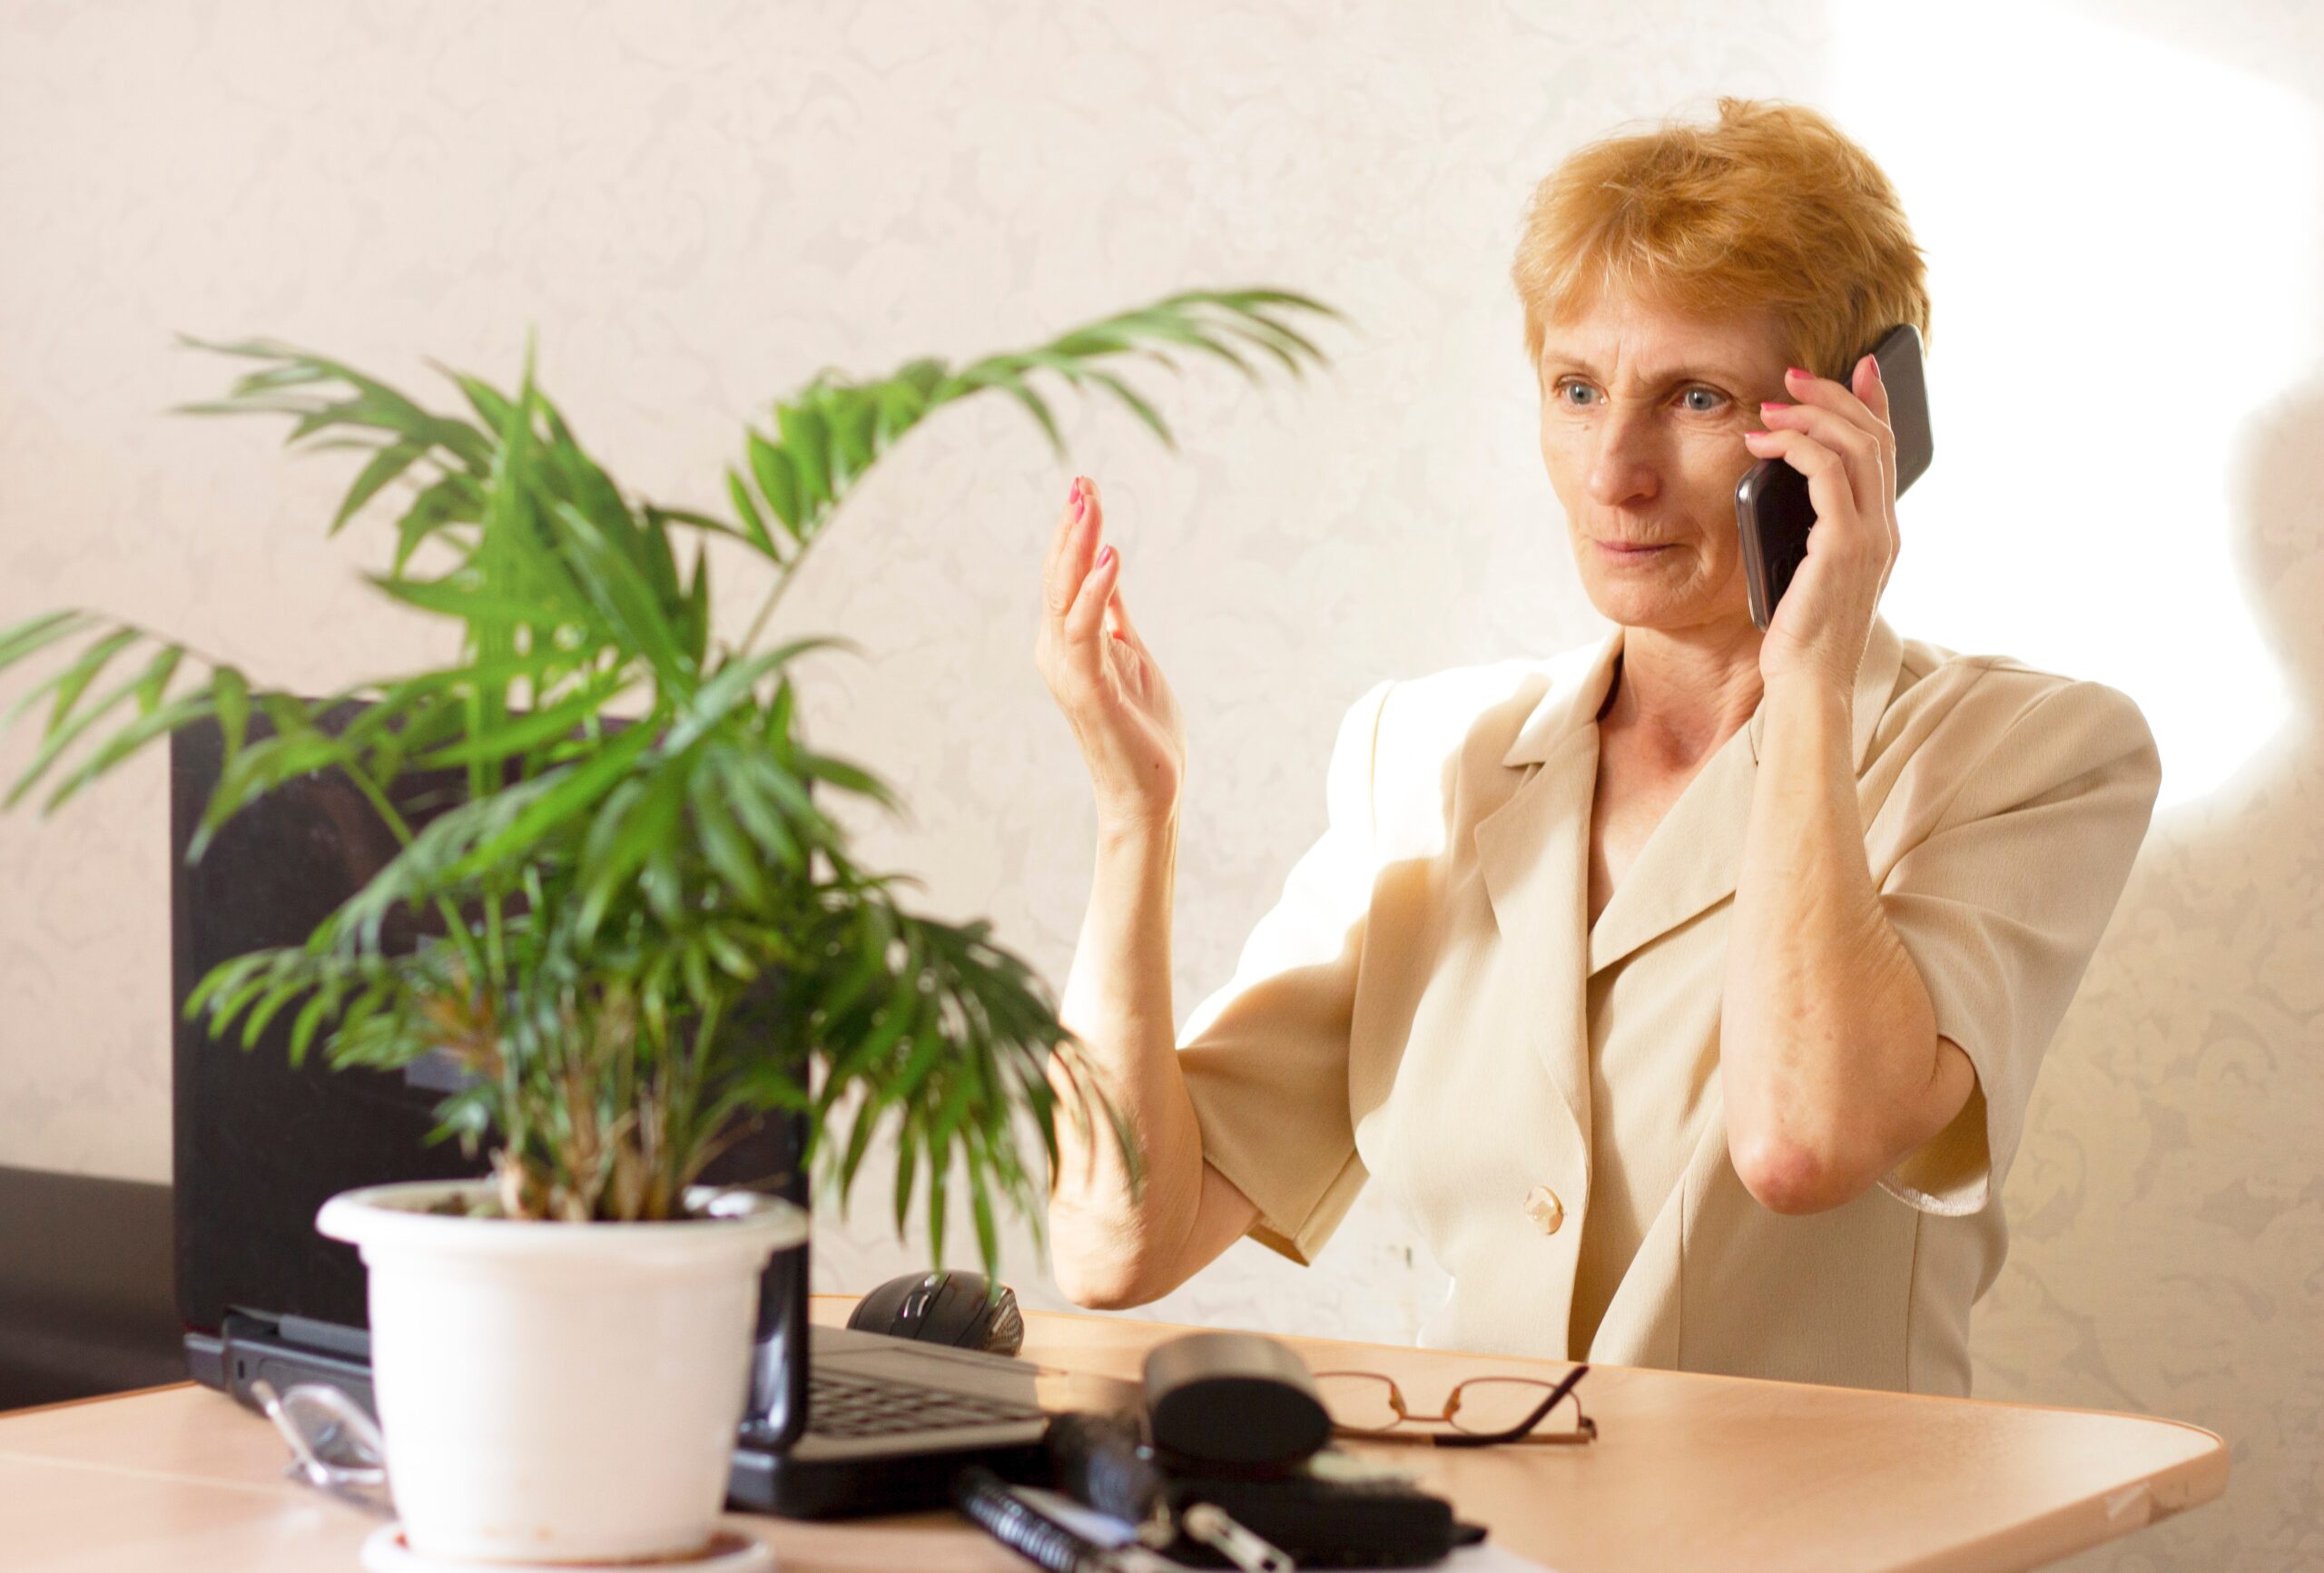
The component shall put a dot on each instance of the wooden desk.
(1696, 1472)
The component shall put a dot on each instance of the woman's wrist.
(1805, 695)
(1803, 753)
(1134, 833)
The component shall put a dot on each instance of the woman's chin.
(1636, 600)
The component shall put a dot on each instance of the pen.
(1032, 1534)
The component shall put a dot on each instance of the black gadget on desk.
(839, 1420)
(961, 1310)
(1232, 1465)
(1773, 512)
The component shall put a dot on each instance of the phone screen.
(1773, 512)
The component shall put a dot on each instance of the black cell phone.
(1772, 509)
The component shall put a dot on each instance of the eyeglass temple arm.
(1557, 1396)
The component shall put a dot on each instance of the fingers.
(1117, 621)
(1846, 422)
(1874, 392)
(1852, 408)
(1837, 518)
(1083, 647)
(1071, 548)
(1846, 429)
(1081, 587)
(1840, 422)
(1870, 388)
(1808, 456)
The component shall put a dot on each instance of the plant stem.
(812, 532)
(456, 926)
(478, 651)
(686, 1098)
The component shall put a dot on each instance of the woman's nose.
(1621, 462)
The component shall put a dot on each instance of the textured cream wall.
(700, 204)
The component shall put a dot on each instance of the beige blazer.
(1428, 1003)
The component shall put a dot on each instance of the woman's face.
(1643, 413)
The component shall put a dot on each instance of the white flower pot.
(558, 1391)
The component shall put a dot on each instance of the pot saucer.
(385, 1551)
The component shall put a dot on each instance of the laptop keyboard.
(848, 1405)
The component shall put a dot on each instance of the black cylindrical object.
(1237, 1399)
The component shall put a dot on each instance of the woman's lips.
(1621, 553)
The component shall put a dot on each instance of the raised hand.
(1102, 675)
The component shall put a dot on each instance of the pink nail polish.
(1773, 404)
(1798, 371)
(1106, 556)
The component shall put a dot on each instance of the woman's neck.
(1681, 694)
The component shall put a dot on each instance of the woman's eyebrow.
(1665, 377)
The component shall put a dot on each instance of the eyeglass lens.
(1484, 1405)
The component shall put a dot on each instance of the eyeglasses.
(335, 1447)
(1484, 1411)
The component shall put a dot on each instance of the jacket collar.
(1579, 681)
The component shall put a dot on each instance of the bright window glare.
(2123, 255)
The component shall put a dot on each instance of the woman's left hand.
(1841, 441)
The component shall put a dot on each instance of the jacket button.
(1541, 1205)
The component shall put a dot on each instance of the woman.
(1688, 989)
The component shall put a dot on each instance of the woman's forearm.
(1826, 1020)
(1110, 1248)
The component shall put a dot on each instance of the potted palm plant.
(649, 931)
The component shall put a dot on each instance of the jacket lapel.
(1533, 849)
(1691, 861)
(1532, 853)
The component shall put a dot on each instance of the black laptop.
(837, 1422)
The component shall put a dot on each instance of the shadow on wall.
(2168, 1208)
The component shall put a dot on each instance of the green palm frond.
(637, 922)
(78, 703)
(830, 433)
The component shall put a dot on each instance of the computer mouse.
(943, 1307)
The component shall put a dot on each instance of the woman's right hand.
(1102, 675)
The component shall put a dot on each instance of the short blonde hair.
(1772, 207)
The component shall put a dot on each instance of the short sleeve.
(2001, 904)
(1265, 1056)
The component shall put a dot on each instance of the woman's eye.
(1712, 398)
